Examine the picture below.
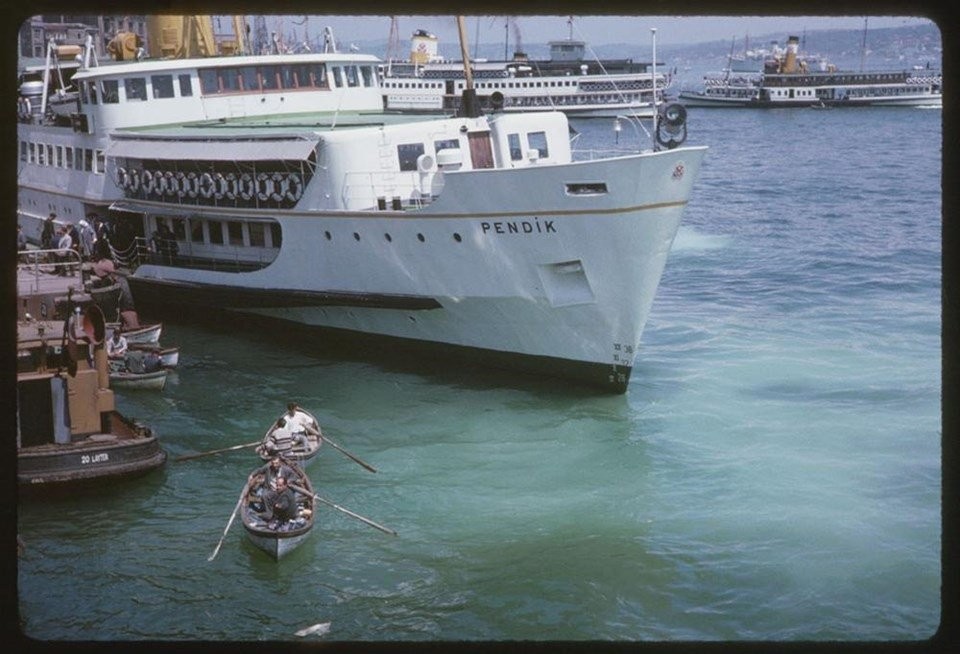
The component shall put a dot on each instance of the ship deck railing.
(40, 271)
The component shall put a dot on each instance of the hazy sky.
(596, 30)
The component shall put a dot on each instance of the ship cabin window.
(353, 77)
(446, 144)
(368, 76)
(162, 86)
(50, 160)
(179, 228)
(408, 153)
(186, 90)
(235, 232)
(24, 152)
(101, 162)
(208, 81)
(275, 234)
(88, 159)
(229, 79)
(257, 238)
(250, 81)
(269, 78)
(513, 141)
(111, 91)
(337, 77)
(135, 88)
(216, 232)
(288, 77)
(61, 161)
(538, 142)
(196, 230)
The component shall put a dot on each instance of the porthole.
(388, 237)
(456, 237)
(356, 237)
(420, 238)
(327, 234)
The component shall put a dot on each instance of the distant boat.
(788, 82)
(154, 381)
(568, 81)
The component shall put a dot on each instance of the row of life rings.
(278, 187)
(24, 108)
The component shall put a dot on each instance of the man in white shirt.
(117, 346)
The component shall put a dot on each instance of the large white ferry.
(290, 195)
(787, 81)
(569, 81)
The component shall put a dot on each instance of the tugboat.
(68, 429)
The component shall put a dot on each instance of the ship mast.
(469, 107)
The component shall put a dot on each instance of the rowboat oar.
(229, 522)
(225, 449)
(340, 508)
(340, 449)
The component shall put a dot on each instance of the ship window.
(111, 92)
(586, 188)
(249, 76)
(320, 76)
(235, 232)
(288, 78)
(215, 227)
(208, 81)
(408, 153)
(367, 73)
(275, 234)
(257, 238)
(230, 79)
(513, 140)
(162, 86)
(269, 75)
(179, 229)
(135, 88)
(446, 144)
(538, 142)
(23, 151)
(196, 230)
(337, 77)
(185, 88)
(353, 78)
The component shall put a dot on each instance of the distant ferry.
(787, 82)
(568, 82)
(289, 194)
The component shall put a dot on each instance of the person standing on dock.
(65, 245)
(48, 232)
(21, 239)
(88, 238)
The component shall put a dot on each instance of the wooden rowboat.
(302, 454)
(141, 334)
(139, 380)
(169, 356)
(278, 540)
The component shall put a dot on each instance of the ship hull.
(564, 288)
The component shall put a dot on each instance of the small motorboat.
(278, 538)
(302, 452)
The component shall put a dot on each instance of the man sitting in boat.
(279, 505)
(265, 477)
(299, 421)
(117, 345)
(283, 439)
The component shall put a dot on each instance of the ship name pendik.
(519, 227)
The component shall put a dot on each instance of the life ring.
(181, 183)
(146, 181)
(170, 183)
(294, 188)
(278, 182)
(247, 186)
(263, 191)
(27, 108)
(133, 180)
(160, 182)
(220, 186)
(230, 184)
(120, 178)
(206, 185)
(191, 184)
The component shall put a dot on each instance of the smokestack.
(790, 59)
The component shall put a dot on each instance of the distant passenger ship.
(568, 82)
(289, 194)
(787, 82)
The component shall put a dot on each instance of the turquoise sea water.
(773, 472)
